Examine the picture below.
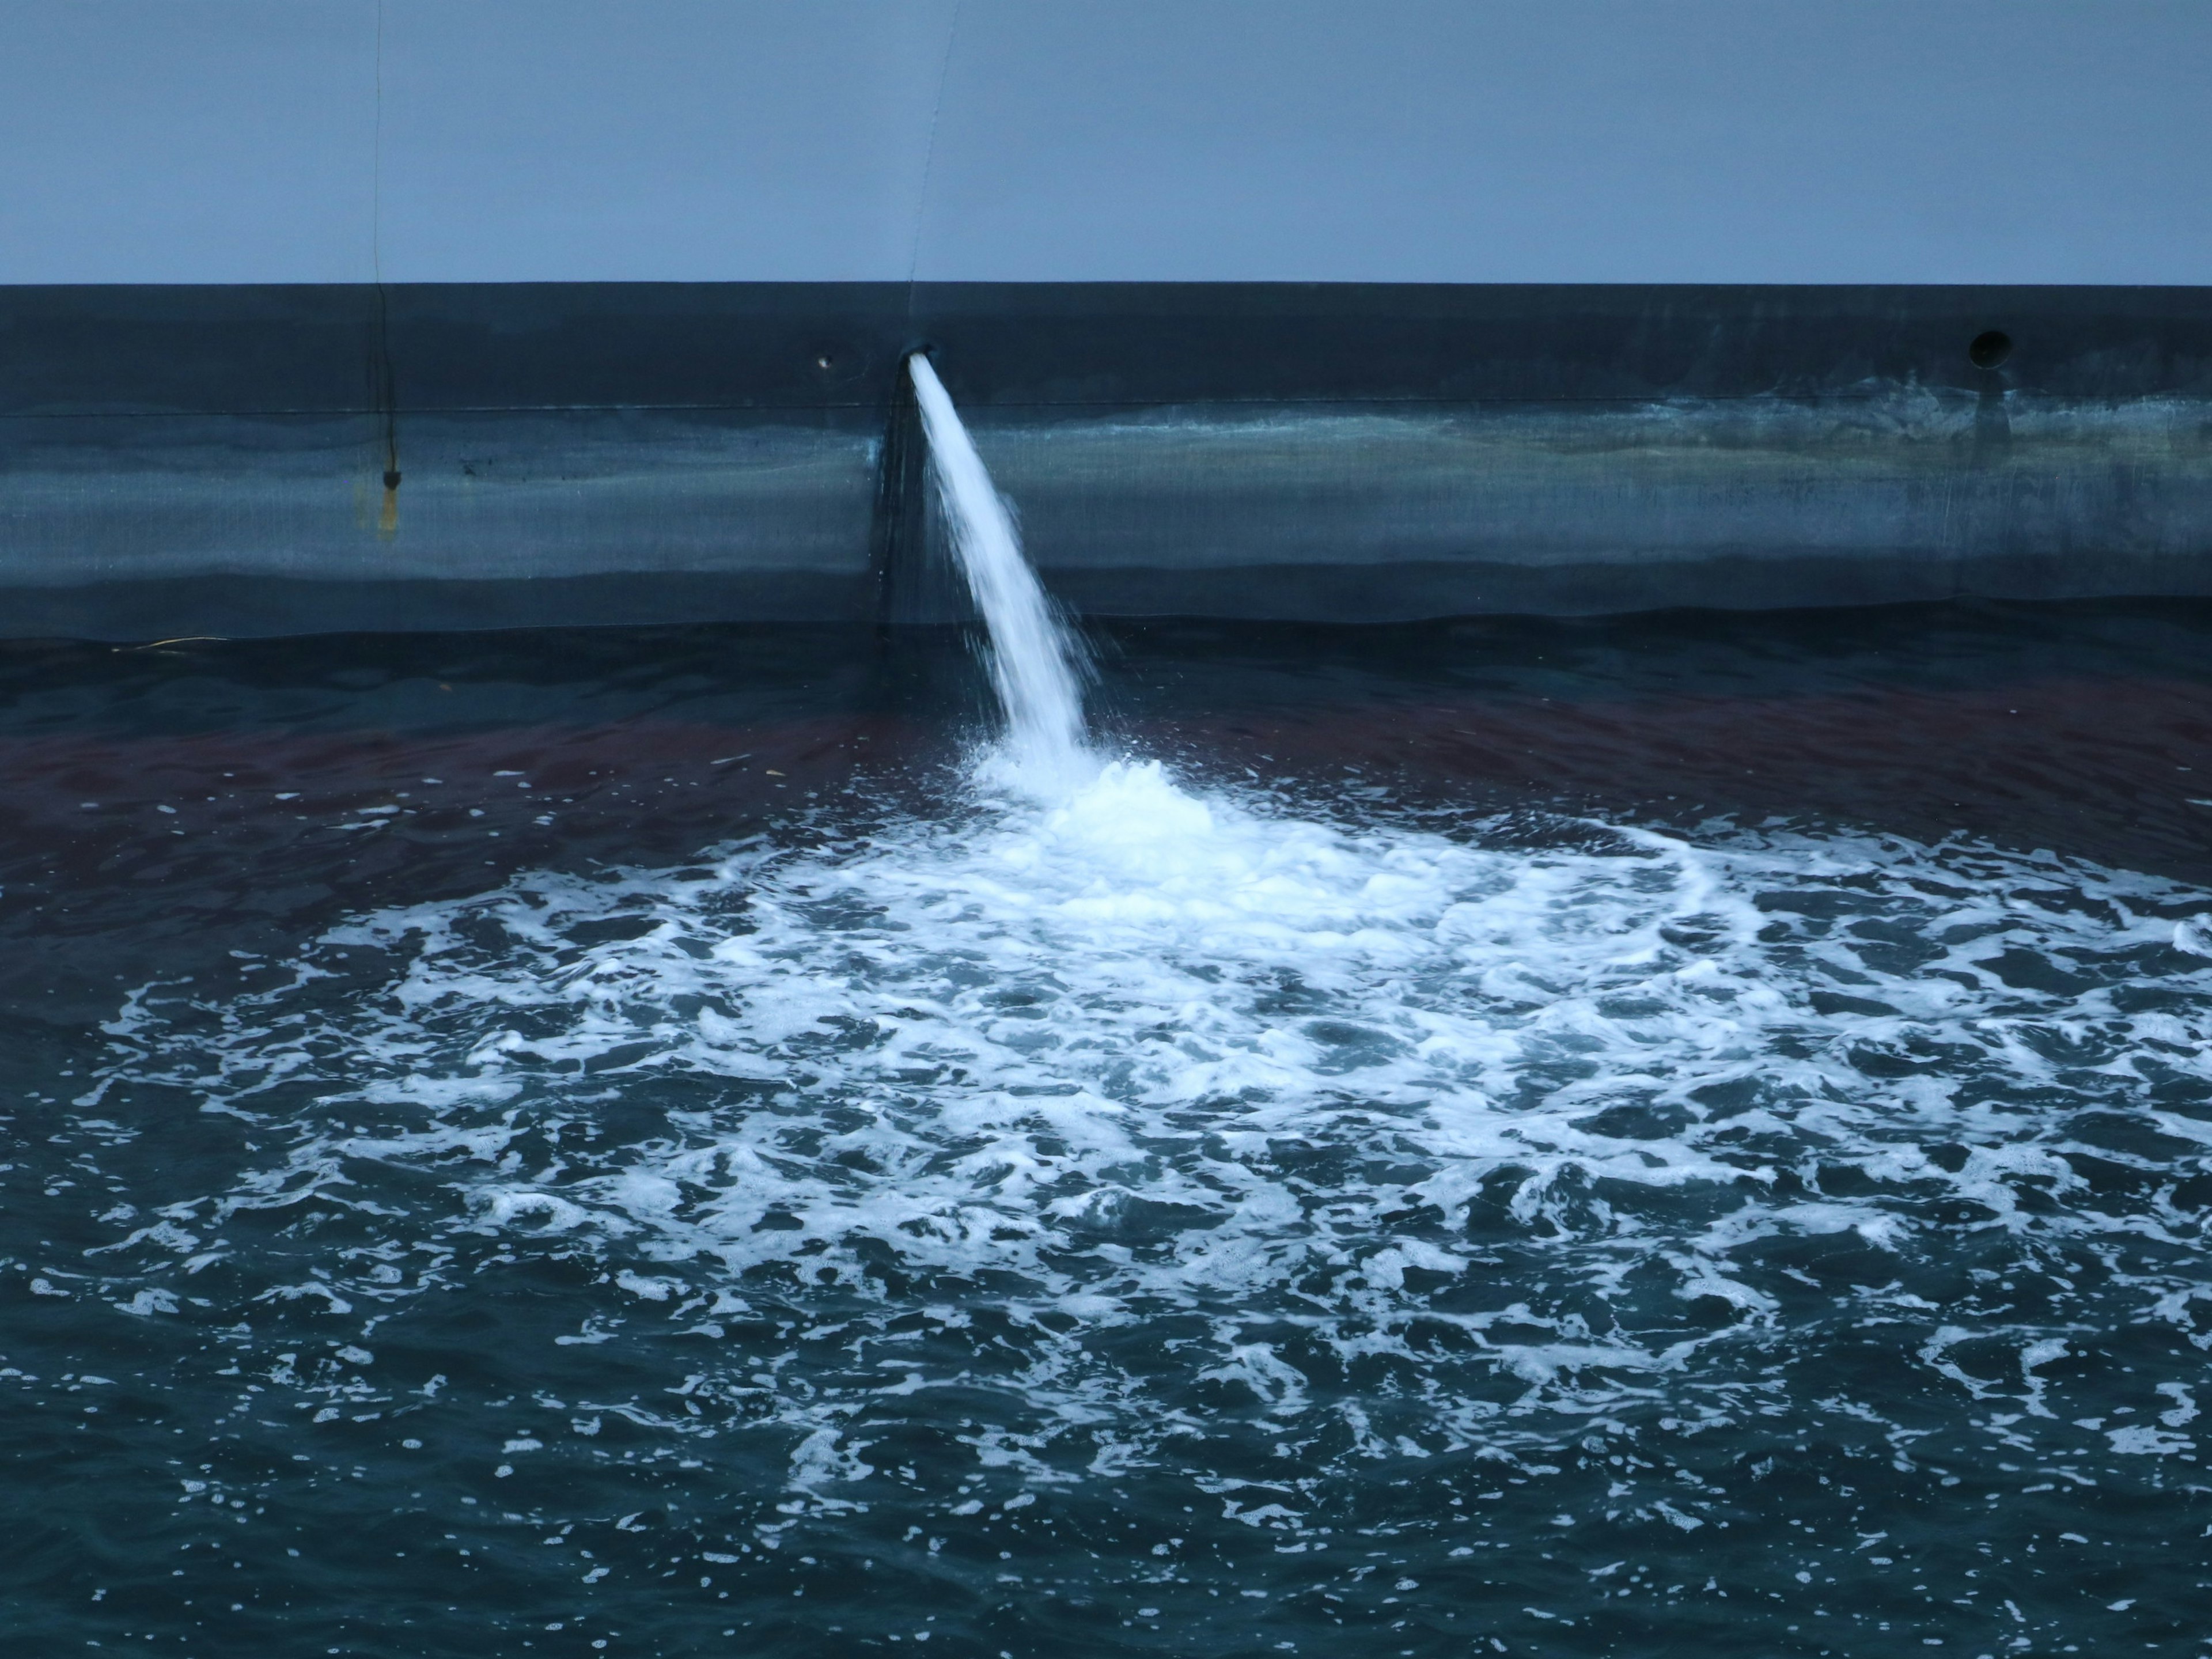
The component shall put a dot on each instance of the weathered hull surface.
(242, 460)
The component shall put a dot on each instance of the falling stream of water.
(1036, 664)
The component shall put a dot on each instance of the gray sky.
(2026, 141)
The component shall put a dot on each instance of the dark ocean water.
(1685, 1135)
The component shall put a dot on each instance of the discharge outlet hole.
(1990, 350)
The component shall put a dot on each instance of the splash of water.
(1126, 1155)
(1141, 1157)
(1147, 1073)
(1036, 664)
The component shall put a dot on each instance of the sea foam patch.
(1207, 1121)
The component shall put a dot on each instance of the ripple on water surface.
(1166, 1220)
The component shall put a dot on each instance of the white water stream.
(1035, 663)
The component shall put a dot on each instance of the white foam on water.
(1285, 1091)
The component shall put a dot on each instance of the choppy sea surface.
(1677, 1135)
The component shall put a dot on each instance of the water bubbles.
(1556, 1122)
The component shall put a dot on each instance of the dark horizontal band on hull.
(304, 459)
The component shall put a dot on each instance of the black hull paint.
(178, 459)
